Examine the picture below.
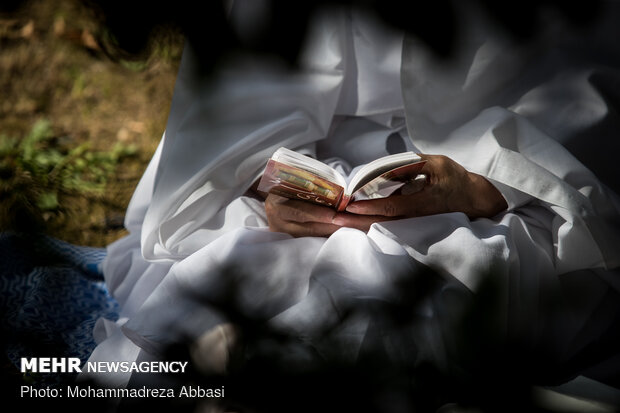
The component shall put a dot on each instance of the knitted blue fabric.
(51, 294)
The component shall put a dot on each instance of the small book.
(293, 175)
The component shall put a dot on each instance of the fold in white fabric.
(364, 92)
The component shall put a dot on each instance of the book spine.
(343, 202)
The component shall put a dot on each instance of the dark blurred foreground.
(278, 27)
(480, 369)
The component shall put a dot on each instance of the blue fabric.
(51, 294)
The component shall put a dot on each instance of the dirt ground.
(53, 67)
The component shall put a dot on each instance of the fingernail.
(338, 220)
(353, 208)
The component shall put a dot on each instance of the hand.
(301, 218)
(449, 188)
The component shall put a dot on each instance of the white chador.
(501, 109)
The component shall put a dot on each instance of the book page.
(306, 163)
(380, 167)
(387, 183)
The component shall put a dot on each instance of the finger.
(361, 222)
(307, 229)
(392, 206)
(414, 185)
(417, 204)
(435, 165)
(301, 211)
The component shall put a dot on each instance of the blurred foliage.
(39, 175)
(278, 27)
(429, 345)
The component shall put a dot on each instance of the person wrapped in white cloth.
(503, 198)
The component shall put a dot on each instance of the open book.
(293, 175)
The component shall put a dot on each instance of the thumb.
(414, 205)
(392, 206)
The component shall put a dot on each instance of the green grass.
(41, 175)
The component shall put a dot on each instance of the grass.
(40, 177)
(77, 128)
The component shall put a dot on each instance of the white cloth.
(362, 93)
